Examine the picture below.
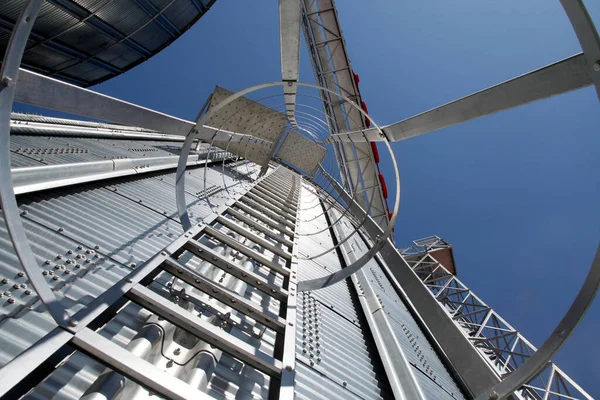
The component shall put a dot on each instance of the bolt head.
(596, 66)
(8, 81)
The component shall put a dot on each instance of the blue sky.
(516, 193)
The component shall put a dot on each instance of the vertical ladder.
(258, 227)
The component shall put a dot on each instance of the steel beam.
(100, 132)
(289, 37)
(587, 35)
(287, 387)
(561, 77)
(41, 91)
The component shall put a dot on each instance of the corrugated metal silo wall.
(344, 364)
(89, 236)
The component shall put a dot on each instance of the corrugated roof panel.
(332, 336)
(43, 55)
(85, 28)
(51, 20)
(86, 71)
(12, 9)
(124, 15)
(86, 39)
(181, 13)
(151, 36)
(119, 55)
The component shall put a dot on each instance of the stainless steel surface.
(10, 212)
(289, 42)
(41, 91)
(563, 76)
(223, 314)
(32, 179)
(44, 129)
(587, 35)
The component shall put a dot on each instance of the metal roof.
(86, 42)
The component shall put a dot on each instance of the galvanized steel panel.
(77, 274)
(435, 380)
(312, 385)
(127, 231)
(21, 161)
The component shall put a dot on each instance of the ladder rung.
(268, 212)
(255, 280)
(273, 197)
(259, 197)
(204, 331)
(231, 299)
(262, 217)
(277, 190)
(123, 361)
(259, 227)
(255, 238)
(278, 180)
(246, 250)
